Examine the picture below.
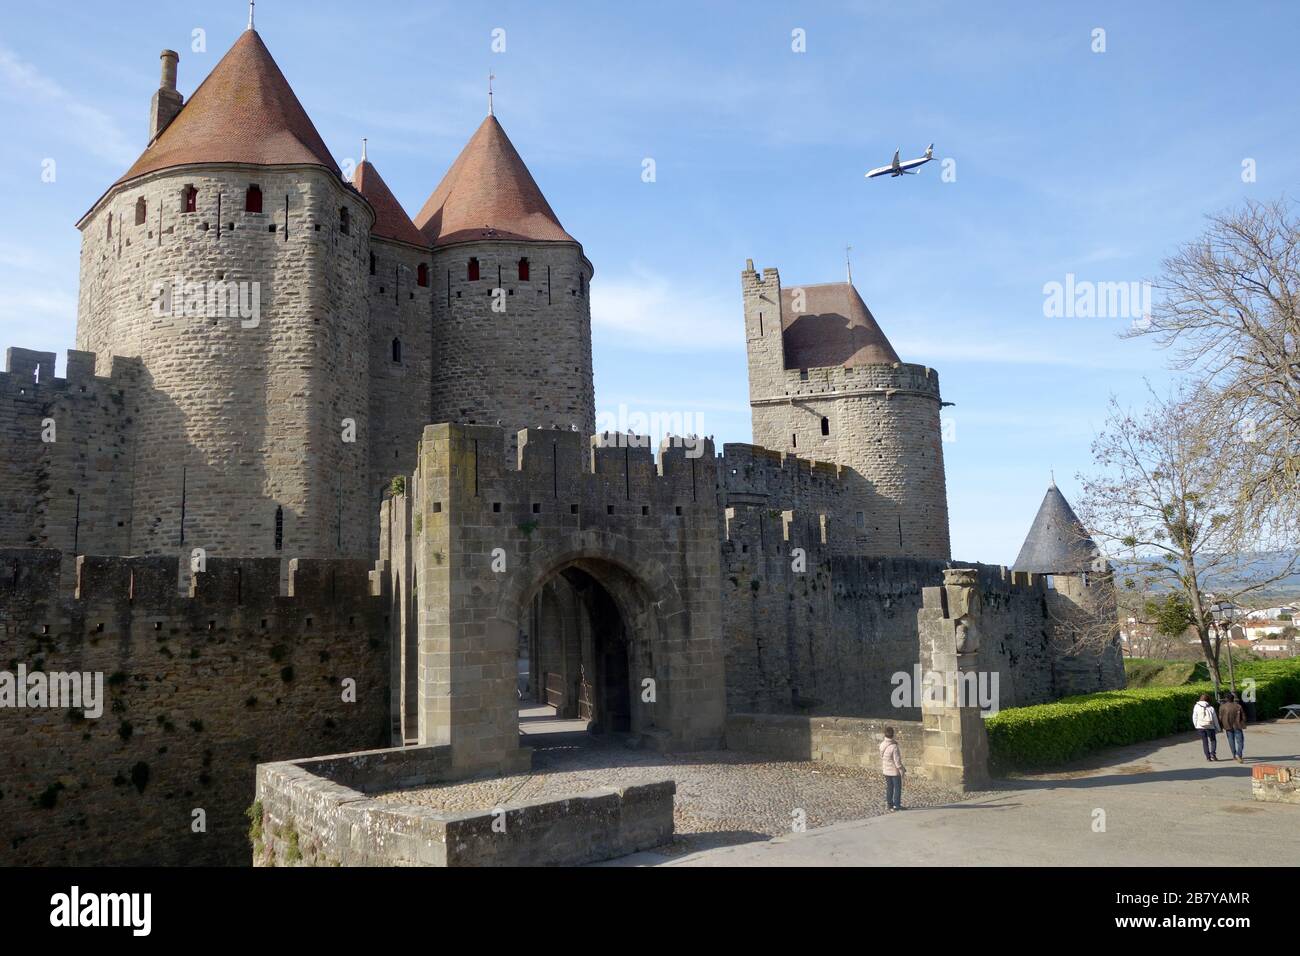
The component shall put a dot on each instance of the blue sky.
(1066, 161)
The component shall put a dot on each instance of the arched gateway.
(536, 559)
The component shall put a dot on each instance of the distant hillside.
(1284, 590)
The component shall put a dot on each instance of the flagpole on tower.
(251, 5)
(491, 77)
(848, 264)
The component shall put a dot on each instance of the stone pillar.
(467, 655)
(956, 747)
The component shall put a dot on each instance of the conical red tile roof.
(489, 193)
(244, 112)
(834, 328)
(391, 220)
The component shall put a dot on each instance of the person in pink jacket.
(891, 765)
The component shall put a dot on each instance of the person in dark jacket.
(1232, 718)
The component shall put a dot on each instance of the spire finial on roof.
(1052, 472)
(363, 149)
(848, 264)
(491, 77)
(251, 5)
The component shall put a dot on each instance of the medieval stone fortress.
(319, 494)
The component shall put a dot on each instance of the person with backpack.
(1206, 722)
(891, 765)
(1232, 718)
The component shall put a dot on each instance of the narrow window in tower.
(253, 199)
(826, 426)
(523, 269)
(110, 225)
(279, 527)
(141, 210)
(372, 263)
(344, 225)
(472, 272)
(189, 199)
(397, 351)
(422, 274)
(794, 441)
(582, 284)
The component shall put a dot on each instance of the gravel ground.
(723, 796)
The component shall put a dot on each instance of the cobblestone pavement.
(724, 797)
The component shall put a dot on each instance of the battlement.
(897, 378)
(551, 463)
(152, 585)
(754, 469)
(27, 369)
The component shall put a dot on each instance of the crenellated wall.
(66, 471)
(824, 631)
(200, 687)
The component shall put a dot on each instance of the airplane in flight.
(905, 168)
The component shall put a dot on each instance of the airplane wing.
(895, 162)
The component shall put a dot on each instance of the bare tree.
(1164, 505)
(1228, 304)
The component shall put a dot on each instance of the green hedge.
(1046, 735)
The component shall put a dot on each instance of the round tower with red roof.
(231, 259)
(511, 306)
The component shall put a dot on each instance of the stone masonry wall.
(527, 367)
(244, 418)
(73, 492)
(840, 741)
(827, 639)
(319, 813)
(199, 688)
(487, 532)
(400, 397)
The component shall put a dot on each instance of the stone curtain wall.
(253, 414)
(827, 641)
(75, 490)
(318, 813)
(884, 429)
(199, 688)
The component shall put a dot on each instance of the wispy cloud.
(645, 310)
(60, 114)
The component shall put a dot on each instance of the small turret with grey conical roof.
(1057, 542)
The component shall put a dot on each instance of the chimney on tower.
(166, 102)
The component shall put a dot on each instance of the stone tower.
(399, 289)
(511, 306)
(231, 260)
(825, 384)
(1080, 596)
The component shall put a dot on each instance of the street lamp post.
(1218, 611)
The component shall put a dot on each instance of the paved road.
(1164, 805)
